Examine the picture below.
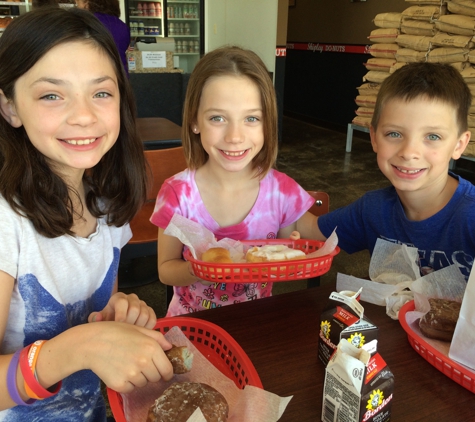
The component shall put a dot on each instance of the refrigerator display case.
(177, 19)
(145, 18)
(184, 25)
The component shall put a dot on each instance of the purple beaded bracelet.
(11, 382)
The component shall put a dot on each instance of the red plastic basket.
(215, 344)
(297, 269)
(458, 373)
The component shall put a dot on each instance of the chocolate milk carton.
(358, 386)
(343, 319)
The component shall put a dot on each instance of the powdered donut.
(180, 400)
(181, 359)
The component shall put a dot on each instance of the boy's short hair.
(435, 81)
(231, 61)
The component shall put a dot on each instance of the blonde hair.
(234, 61)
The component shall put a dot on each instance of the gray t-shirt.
(58, 283)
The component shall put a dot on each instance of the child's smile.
(234, 154)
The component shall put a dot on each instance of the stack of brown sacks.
(436, 31)
(383, 52)
(460, 21)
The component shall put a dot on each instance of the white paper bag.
(462, 348)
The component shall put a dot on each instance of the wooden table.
(158, 132)
(280, 336)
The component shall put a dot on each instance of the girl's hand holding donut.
(125, 356)
(126, 308)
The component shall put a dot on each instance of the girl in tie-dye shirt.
(230, 140)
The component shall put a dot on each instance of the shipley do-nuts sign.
(329, 48)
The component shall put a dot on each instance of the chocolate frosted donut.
(439, 323)
(180, 400)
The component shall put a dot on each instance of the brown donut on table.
(181, 359)
(439, 323)
(180, 400)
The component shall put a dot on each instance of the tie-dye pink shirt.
(281, 202)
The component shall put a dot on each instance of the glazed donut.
(217, 255)
(271, 253)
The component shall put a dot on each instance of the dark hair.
(108, 7)
(435, 81)
(224, 61)
(116, 186)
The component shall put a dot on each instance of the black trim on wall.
(321, 87)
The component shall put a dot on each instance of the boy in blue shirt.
(419, 125)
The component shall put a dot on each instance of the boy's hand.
(126, 308)
(295, 235)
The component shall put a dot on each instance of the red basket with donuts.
(215, 344)
(251, 272)
(457, 372)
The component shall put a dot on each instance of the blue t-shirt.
(446, 238)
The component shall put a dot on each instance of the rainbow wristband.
(11, 382)
(31, 380)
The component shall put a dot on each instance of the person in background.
(41, 3)
(72, 175)
(419, 125)
(108, 12)
(229, 136)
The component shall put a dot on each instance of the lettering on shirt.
(433, 260)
